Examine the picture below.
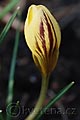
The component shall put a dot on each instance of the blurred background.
(27, 78)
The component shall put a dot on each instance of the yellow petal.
(41, 64)
(31, 28)
(54, 22)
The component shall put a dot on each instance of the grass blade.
(54, 100)
(7, 27)
(8, 8)
(12, 70)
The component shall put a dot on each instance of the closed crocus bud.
(42, 34)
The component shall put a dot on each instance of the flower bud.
(42, 34)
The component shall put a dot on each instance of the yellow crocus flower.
(43, 36)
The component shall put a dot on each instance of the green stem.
(39, 104)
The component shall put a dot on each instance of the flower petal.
(54, 22)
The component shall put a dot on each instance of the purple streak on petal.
(50, 35)
(37, 46)
(43, 38)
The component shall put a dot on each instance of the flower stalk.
(41, 99)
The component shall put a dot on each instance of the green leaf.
(54, 100)
(7, 27)
(12, 72)
(8, 8)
